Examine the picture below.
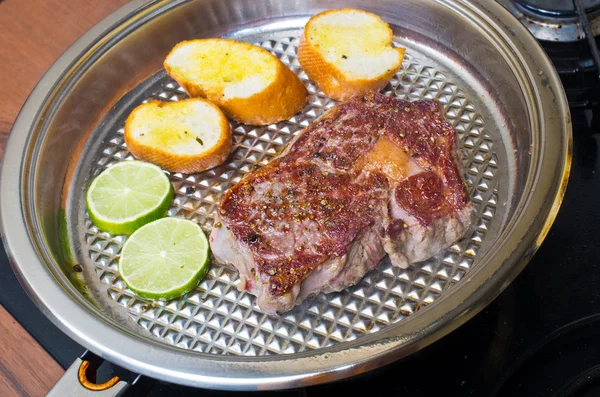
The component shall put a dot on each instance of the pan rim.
(203, 370)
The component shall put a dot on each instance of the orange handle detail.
(82, 375)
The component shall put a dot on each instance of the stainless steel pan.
(497, 86)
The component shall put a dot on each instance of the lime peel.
(165, 259)
(127, 196)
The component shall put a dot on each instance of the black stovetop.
(540, 337)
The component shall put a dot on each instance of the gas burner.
(557, 8)
(555, 20)
(568, 31)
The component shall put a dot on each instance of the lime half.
(164, 259)
(128, 195)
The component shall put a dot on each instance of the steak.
(374, 175)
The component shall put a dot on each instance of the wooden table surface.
(34, 33)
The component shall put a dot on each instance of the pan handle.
(80, 381)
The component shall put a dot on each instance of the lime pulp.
(164, 259)
(128, 195)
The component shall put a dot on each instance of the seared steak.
(374, 175)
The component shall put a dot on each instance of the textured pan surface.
(216, 317)
(498, 89)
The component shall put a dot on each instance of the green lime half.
(164, 259)
(128, 195)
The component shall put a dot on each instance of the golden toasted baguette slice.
(247, 82)
(187, 136)
(348, 52)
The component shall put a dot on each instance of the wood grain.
(25, 367)
(34, 33)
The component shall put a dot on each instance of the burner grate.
(558, 8)
(589, 35)
(555, 20)
(577, 71)
(569, 31)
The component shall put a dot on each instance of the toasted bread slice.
(348, 52)
(247, 82)
(187, 136)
